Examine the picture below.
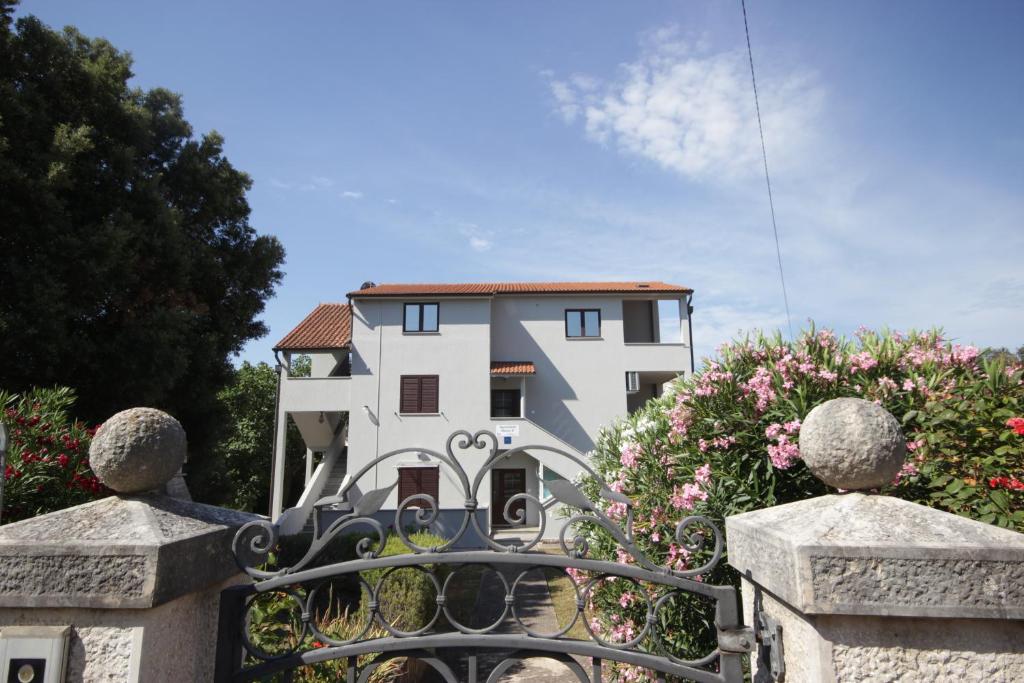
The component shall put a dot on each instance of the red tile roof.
(329, 326)
(497, 288)
(506, 368)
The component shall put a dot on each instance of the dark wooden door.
(504, 485)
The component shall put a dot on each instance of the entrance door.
(504, 485)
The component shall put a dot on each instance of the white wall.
(459, 354)
(579, 385)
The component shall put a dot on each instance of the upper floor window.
(420, 318)
(418, 394)
(582, 322)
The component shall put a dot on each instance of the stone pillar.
(136, 576)
(871, 588)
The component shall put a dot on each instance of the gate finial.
(852, 444)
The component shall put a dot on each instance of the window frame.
(518, 404)
(583, 323)
(421, 489)
(419, 395)
(421, 305)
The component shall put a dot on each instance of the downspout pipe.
(689, 325)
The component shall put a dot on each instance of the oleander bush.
(47, 466)
(727, 440)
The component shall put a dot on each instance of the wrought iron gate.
(240, 659)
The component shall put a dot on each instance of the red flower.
(1009, 483)
(63, 460)
(1016, 424)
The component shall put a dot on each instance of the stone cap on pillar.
(131, 550)
(876, 555)
(864, 554)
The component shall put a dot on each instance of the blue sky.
(450, 141)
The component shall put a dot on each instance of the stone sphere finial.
(852, 444)
(138, 450)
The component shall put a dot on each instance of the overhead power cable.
(767, 178)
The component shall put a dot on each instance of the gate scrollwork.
(655, 584)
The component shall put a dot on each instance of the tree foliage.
(244, 453)
(128, 266)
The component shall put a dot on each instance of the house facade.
(402, 366)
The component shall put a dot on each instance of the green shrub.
(726, 441)
(47, 455)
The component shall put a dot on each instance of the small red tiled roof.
(506, 368)
(496, 288)
(329, 326)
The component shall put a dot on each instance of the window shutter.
(428, 394)
(417, 480)
(428, 482)
(409, 402)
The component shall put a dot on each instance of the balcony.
(657, 357)
(315, 394)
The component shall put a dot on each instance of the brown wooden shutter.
(408, 482)
(409, 402)
(428, 482)
(417, 480)
(428, 394)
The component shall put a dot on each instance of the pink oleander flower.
(686, 497)
(630, 454)
(702, 475)
(914, 445)
(760, 385)
(783, 454)
(862, 361)
(1016, 424)
(908, 470)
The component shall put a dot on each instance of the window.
(417, 481)
(420, 318)
(505, 403)
(582, 322)
(418, 394)
(632, 382)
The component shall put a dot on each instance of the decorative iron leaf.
(372, 501)
(615, 497)
(568, 493)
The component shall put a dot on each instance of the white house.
(538, 363)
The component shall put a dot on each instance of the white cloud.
(692, 111)
(320, 181)
(351, 194)
(280, 184)
(478, 240)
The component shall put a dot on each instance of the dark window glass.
(416, 481)
(583, 323)
(418, 394)
(505, 403)
(420, 318)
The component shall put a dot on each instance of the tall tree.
(128, 267)
(245, 451)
